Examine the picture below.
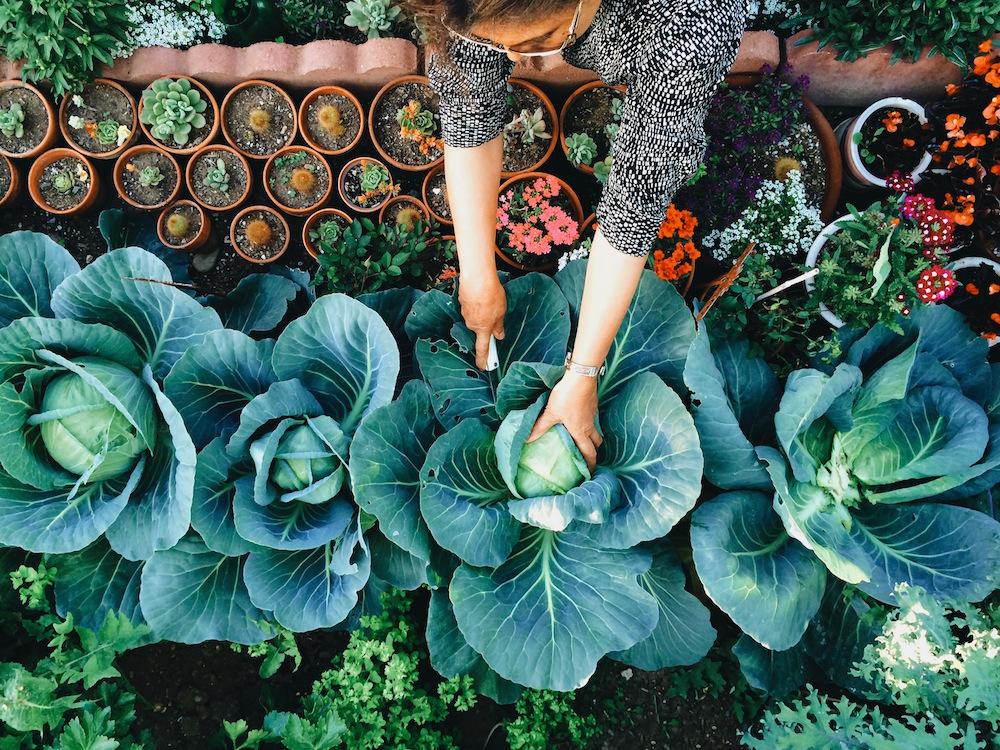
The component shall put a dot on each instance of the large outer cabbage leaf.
(31, 267)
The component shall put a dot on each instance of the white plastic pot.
(827, 232)
(857, 171)
(972, 262)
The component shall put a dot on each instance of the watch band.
(589, 371)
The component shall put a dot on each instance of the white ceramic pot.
(827, 232)
(857, 171)
(972, 262)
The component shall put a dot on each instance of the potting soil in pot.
(387, 129)
(590, 113)
(4, 178)
(149, 195)
(519, 155)
(212, 195)
(437, 196)
(101, 104)
(332, 132)
(890, 151)
(260, 120)
(193, 216)
(59, 174)
(298, 179)
(36, 120)
(977, 297)
(261, 252)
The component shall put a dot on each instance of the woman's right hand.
(483, 304)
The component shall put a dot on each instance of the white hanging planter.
(813, 255)
(857, 171)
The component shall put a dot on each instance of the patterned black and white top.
(671, 54)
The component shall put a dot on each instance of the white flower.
(75, 122)
(164, 23)
(124, 131)
(77, 100)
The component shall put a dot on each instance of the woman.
(671, 54)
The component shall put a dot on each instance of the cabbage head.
(551, 465)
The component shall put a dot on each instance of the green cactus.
(580, 149)
(372, 16)
(217, 177)
(12, 121)
(173, 109)
(151, 176)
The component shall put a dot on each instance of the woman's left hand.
(573, 403)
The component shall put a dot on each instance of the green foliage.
(527, 125)
(63, 41)
(855, 27)
(414, 117)
(63, 181)
(372, 17)
(580, 149)
(107, 132)
(32, 585)
(172, 109)
(602, 170)
(12, 121)
(373, 176)
(546, 719)
(274, 651)
(716, 675)
(307, 20)
(217, 177)
(151, 176)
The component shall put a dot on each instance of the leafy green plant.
(547, 719)
(151, 176)
(602, 170)
(63, 43)
(580, 149)
(172, 109)
(857, 27)
(372, 17)
(217, 177)
(306, 20)
(12, 121)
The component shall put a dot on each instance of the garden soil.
(213, 196)
(36, 120)
(150, 195)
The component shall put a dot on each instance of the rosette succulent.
(173, 109)
(372, 17)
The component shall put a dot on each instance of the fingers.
(482, 349)
(589, 451)
(543, 423)
(498, 330)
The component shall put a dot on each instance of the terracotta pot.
(423, 193)
(200, 153)
(54, 155)
(576, 211)
(313, 221)
(9, 198)
(196, 242)
(241, 252)
(565, 110)
(827, 143)
(311, 97)
(857, 174)
(350, 203)
(115, 152)
(373, 120)
(415, 202)
(51, 131)
(213, 131)
(125, 158)
(226, 103)
(269, 166)
(552, 117)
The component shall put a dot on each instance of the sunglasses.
(570, 38)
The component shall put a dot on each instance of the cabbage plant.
(538, 567)
(862, 473)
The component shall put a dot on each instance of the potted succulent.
(100, 121)
(889, 136)
(10, 182)
(179, 114)
(403, 211)
(325, 226)
(259, 234)
(298, 179)
(331, 120)
(435, 195)
(63, 181)
(184, 226)
(365, 184)
(977, 295)
(588, 123)
(528, 136)
(258, 118)
(147, 177)
(27, 120)
(218, 177)
(538, 218)
(404, 124)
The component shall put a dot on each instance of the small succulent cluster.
(417, 124)
(372, 17)
(12, 121)
(375, 182)
(173, 109)
(580, 149)
(217, 176)
(63, 182)
(527, 126)
(151, 176)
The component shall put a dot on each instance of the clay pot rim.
(189, 170)
(51, 156)
(14, 188)
(187, 150)
(313, 220)
(553, 116)
(123, 159)
(574, 202)
(423, 194)
(859, 121)
(104, 155)
(50, 136)
(404, 199)
(577, 93)
(310, 98)
(274, 212)
(269, 165)
(246, 84)
(195, 242)
(371, 125)
(340, 185)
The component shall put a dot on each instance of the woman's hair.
(437, 16)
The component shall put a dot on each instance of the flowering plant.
(531, 223)
(891, 139)
(674, 253)
(417, 124)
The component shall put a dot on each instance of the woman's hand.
(484, 304)
(573, 403)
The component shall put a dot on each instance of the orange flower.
(986, 46)
(995, 169)
(956, 161)
(980, 65)
(995, 317)
(977, 140)
(130, 167)
(994, 288)
(972, 289)
(91, 128)
(894, 222)
(892, 120)
(972, 161)
(969, 181)
(989, 336)
(909, 143)
(944, 146)
(953, 124)
(950, 89)
(990, 112)
(993, 77)
(449, 272)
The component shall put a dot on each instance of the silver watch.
(585, 370)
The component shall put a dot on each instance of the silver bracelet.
(589, 371)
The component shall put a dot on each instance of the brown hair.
(435, 17)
